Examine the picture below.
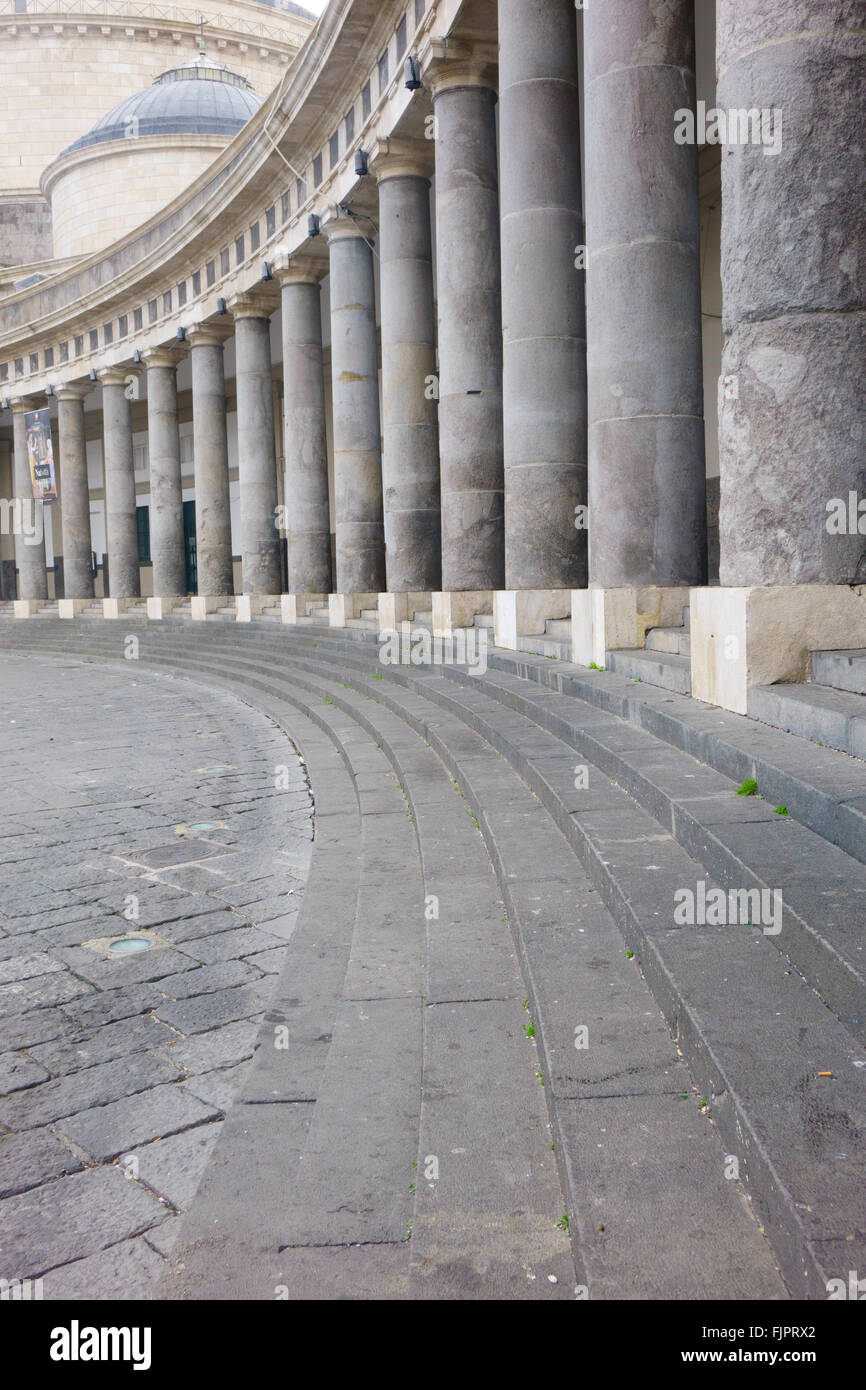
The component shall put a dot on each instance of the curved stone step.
(833, 718)
(548, 968)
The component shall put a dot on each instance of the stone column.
(647, 484)
(306, 447)
(470, 326)
(792, 403)
(410, 455)
(257, 462)
(543, 308)
(30, 538)
(166, 492)
(213, 522)
(124, 577)
(77, 542)
(357, 428)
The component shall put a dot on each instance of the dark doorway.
(189, 549)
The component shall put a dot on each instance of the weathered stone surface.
(26, 1160)
(794, 294)
(543, 301)
(470, 339)
(108, 1130)
(647, 490)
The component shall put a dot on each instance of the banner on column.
(40, 454)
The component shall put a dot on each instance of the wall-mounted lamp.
(221, 307)
(267, 272)
(93, 376)
(181, 335)
(136, 357)
(314, 226)
(49, 390)
(412, 74)
(361, 163)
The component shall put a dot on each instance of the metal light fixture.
(93, 376)
(267, 272)
(221, 306)
(412, 74)
(136, 357)
(49, 390)
(181, 335)
(361, 163)
(314, 226)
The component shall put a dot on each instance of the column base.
(71, 607)
(747, 637)
(202, 605)
(605, 620)
(298, 606)
(113, 608)
(458, 609)
(28, 607)
(343, 607)
(525, 613)
(249, 607)
(401, 608)
(159, 608)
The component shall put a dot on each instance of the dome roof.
(198, 98)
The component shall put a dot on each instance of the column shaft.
(77, 541)
(213, 522)
(410, 458)
(357, 428)
(257, 462)
(543, 301)
(124, 579)
(647, 483)
(7, 538)
(30, 537)
(166, 491)
(306, 448)
(792, 404)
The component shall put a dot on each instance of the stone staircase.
(554, 642)
(596, 802)
(665, 661)
(829, 710)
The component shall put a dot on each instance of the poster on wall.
(40, 454)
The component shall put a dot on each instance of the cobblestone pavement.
(135, 804)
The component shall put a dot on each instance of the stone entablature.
(251, 203)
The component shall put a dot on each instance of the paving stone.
(207, 1011)
(40, 991)
(18, 1072)
(93, 1086)
(102, 1043)
(219, 1048)
(26, 1160)
(229, 945)
(26, 967)
(72, 1218)
(173, 1167)
(109, 1005)
(108, 1130)
(206, 979)
(219, 1088)
(36, 1026)
(127, 1271)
